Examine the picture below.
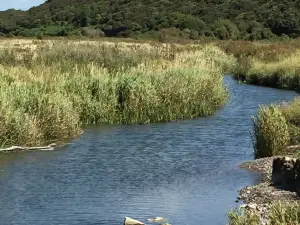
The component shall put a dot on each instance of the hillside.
(222, 19)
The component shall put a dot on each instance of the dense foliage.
(191, 19)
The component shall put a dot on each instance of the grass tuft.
(270, 135)
(280, 213)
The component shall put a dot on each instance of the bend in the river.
(185, 170)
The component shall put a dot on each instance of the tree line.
(190, 19)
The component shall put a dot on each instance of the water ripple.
(184, 170)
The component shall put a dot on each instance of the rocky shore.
(258, 198)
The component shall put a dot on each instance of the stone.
(276, 171)
(243, 206)
(297, 181)
(252, 206)
(130, 221)
(284, 172)
(157, 220)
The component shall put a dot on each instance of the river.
(186, 170)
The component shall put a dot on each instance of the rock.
(285, 171)
(252, 206)
(157, 220)
(297, 181)
(276, 171)
(249, 206)
(130, 221)
(243, 206)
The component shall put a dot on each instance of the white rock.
(157, 220)
(252, 206)
(130, 221)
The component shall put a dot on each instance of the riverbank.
(274, 128)
(265, 192)
(265, 202)
(158, 169)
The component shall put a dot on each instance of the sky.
(19, 4)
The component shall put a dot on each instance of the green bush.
(270, 134)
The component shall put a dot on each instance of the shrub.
(40, 36)
(270, 135)
(90, 32)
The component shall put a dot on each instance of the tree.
(234, 19)
(84, 19)
(2, 28)
(225, 29)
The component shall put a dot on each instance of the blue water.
(186, 171)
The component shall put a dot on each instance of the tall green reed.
(49, 92)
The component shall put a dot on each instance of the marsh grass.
(280, 213)
(242, 217)
(272, 64)
(270, 132)
(283, 73)
(285, 213)
(291, 112)
(50, 90)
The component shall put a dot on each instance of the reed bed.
(50, 90)
(283, 73)
(267, 63)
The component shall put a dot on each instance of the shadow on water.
(184, 170)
